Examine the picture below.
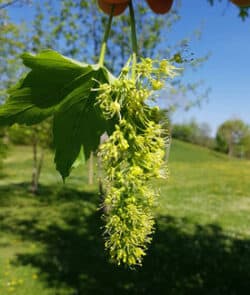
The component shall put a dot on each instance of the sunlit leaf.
(65, 89)
(35, 97)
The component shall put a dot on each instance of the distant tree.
(193, 132)
(203, 136)
(232, 137)
(39, 137)
(182, 132)
(11, 46)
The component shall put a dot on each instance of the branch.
(4, 5)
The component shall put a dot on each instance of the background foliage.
(233, 138)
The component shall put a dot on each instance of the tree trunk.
(34, 185)
(230, 149)
(39, 168)
(91, 169)
(168, 146)
(103, 208)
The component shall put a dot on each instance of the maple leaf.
(65, 89)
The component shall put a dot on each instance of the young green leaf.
(66, 89)
(79, 122)
(35, 97)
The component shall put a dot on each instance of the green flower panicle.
(131, 156)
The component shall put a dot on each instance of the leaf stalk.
(133, 39)
(105, 37)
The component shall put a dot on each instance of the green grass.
(51, 244)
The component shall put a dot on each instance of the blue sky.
(227, 72)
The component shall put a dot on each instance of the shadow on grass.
(184, 258)
(46, 194)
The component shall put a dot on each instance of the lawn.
(51, 244)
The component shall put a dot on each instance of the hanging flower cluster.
(131, 156)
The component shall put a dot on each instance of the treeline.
(193, 132)
(232, 136)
